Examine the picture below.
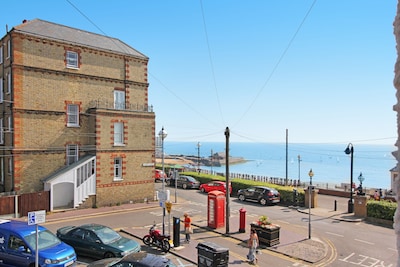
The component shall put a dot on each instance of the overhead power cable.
(278, 63)
(211, 62)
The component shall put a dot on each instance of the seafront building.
(75, 118)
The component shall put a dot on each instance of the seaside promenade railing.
(290, 182)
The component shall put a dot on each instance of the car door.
(76, 239)
(17, 253)
(258, 193)
(94, 246)
(249, 193)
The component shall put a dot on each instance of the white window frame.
(119, 99)
(72, 153)
(118, 133)
(10, 169)
(8, 48)
(9, 126)
(1, 54)
(118, 169)
(2, 170)
(72, 60)
(1, 131)
(72, 115)
(8, 83)
(1, 90)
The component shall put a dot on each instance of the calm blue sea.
(328, 161)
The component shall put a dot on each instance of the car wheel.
(202, 190)
(184, 186)
(241, 198)
(263, 201)
(109, 255)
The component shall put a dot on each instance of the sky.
(321, 71)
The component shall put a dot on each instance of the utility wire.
(211, 62)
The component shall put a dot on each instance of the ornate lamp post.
(163, 134)
(361, 179)
(350, 150)
(311, 174)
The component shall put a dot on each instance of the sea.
(329, 163)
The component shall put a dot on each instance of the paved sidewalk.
(291, 244)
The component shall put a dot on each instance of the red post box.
(242, 222)
(216, 209)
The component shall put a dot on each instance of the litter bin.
(212, 255)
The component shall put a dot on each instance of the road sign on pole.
(35, 217)
(168, 205)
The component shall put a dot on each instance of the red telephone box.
(216, 209)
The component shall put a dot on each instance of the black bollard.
(176, 231)
(335, 205)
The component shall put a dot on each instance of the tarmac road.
(294, 248)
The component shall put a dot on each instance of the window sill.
(119, 145)
(117, 179)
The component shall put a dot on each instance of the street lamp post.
(311, 174)
(350, 150)
(163, 134)
(198, 157)
(299, 159)
(361, 179)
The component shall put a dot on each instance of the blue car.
(18, 246)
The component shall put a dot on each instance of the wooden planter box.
(268, 235)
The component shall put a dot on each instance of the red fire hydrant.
(242, 223)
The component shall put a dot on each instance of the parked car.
(159, 175)
(185, 182)
(97, 241)
(262, 194)
(142, 259)
(215, 185)
(18, 246)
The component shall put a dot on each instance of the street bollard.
(242, 222)
(335, 205)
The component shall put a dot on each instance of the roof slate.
(50, 30)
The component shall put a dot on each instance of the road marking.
(333, 255)
(363, 241)
(285, 222)
(330, 233)
(181, 264)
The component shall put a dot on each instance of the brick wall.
(43, 87)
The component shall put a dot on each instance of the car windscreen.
(107, 235)
(46, 239)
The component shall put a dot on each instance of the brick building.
(75, 118)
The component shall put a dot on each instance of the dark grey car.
(262, 194)
(185, 182)
(140, 259)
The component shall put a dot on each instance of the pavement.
(291, 243)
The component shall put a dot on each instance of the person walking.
(252, 244)
(188, 227)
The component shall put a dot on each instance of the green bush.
(381, 209)
(377, 209)
(287, 194)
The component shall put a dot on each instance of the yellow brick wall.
(42, 88)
